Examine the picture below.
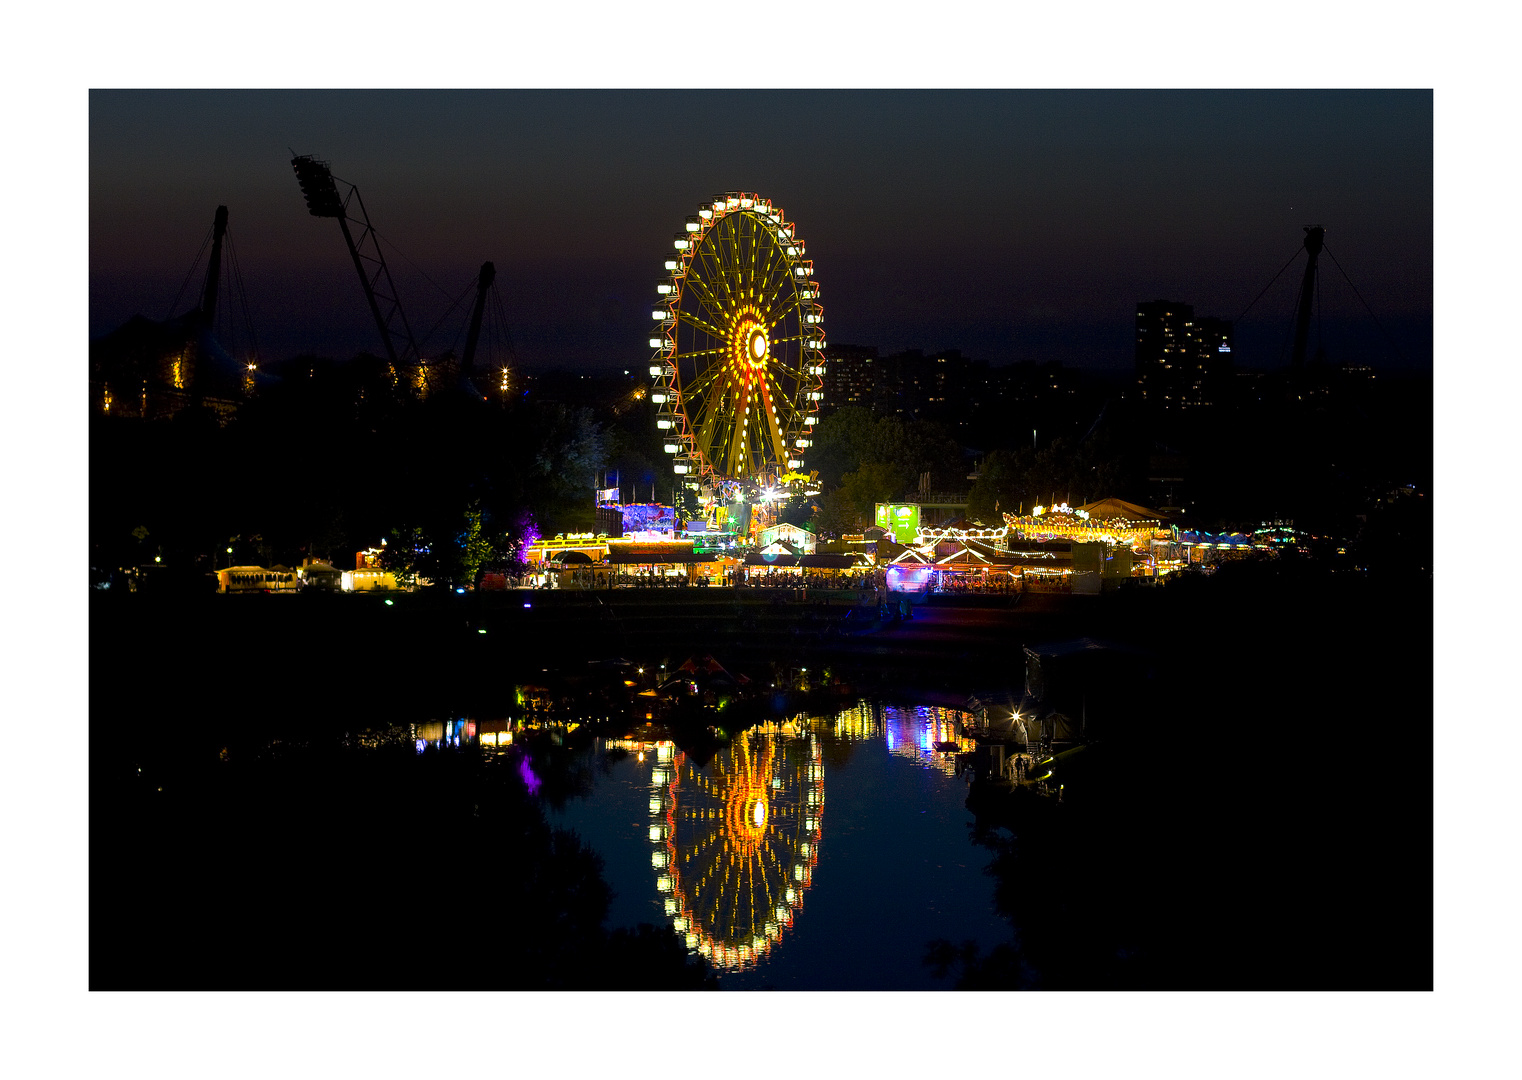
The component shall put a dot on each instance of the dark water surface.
(822, 853)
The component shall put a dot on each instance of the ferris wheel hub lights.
(758, 345)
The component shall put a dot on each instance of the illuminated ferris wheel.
(736, 843)
(739, 346)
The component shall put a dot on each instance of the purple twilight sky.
(1014, 225)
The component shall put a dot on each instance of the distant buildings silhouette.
(1182, 362)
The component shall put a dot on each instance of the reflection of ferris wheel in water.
(739, 342)
(737, 843)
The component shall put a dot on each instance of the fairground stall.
(958, 557)
(1128, 539)
(257, 579)
(820, 571)
(663, 563)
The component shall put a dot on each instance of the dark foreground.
(1261, 816)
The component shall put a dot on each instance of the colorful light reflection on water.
(735, 843)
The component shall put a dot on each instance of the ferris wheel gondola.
(739, 347)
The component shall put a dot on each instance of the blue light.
(527, 604)
(421, 745)
(460, 591)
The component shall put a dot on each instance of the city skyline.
(1013, 226)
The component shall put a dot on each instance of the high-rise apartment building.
(848, 376)
(1181, 362)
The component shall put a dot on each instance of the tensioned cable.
(1270, 285)
(1365, 303)
(410, 263)
(500, 329)
(248, 319)
(446, 315)
(188, 275)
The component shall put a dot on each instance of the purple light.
(528, 531)
(526, 771)
(527, 604)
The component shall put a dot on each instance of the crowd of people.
(958, 584)
(587, 577)
(809, 579)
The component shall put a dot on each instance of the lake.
(818, 853)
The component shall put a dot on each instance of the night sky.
(1012, 225)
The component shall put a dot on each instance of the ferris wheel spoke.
(696, 342)
(750, 261)
(777, 265)
(795, 375)
(764, 242)
(790, 408)
(704, 427)
(774, 435)
(704, 379)
(787, 403)
(724, 247)
(753, 264)
(705, 295)
(723, 430)
(750, 892)
(781, 306)
(770, 276)
(692, 320)
(766, 881)
(715, 274)
(717, 351)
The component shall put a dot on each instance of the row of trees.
(330, 461)
(864, 459)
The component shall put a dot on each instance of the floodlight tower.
(483, 283)
(320, 188)
(1315, 237)
(208, 308)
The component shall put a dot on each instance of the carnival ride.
(739, 352)
(736, 842)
